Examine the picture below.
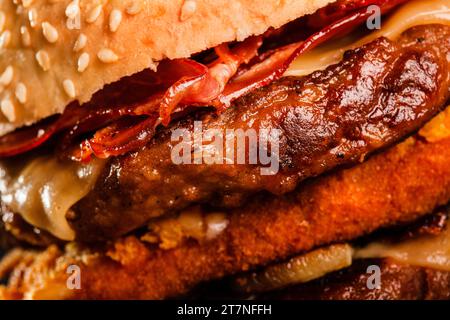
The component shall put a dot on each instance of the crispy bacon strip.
(341, 8)
(211, 81)
(198, 85)
(177, 84)
(275, 65)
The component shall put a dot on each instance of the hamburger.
(116, 182)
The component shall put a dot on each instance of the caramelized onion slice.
(429, 251)
(300, 269)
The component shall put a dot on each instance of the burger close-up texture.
(351, 96)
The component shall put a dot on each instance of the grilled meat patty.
(376, 96)
(392, 188)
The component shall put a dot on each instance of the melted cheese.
(425, 251)
(414, 13)
(43, 189)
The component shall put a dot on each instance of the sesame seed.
(8, 109)
(69, 88)
(32, 17)
(72, 10)
(5, 39)
(188, 9)
(2, 20)
(80, 43)
(21, 93)
(73, 14)
(50, 32)
(94, 14)
(43, 59)
(7, 76)
(27, 3)
(134, 8)
(115, 18)
(107, 56)
(26, 38)
(83, 62)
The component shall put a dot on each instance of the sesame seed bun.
(53, 52)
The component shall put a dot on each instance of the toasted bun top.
(53, 52)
